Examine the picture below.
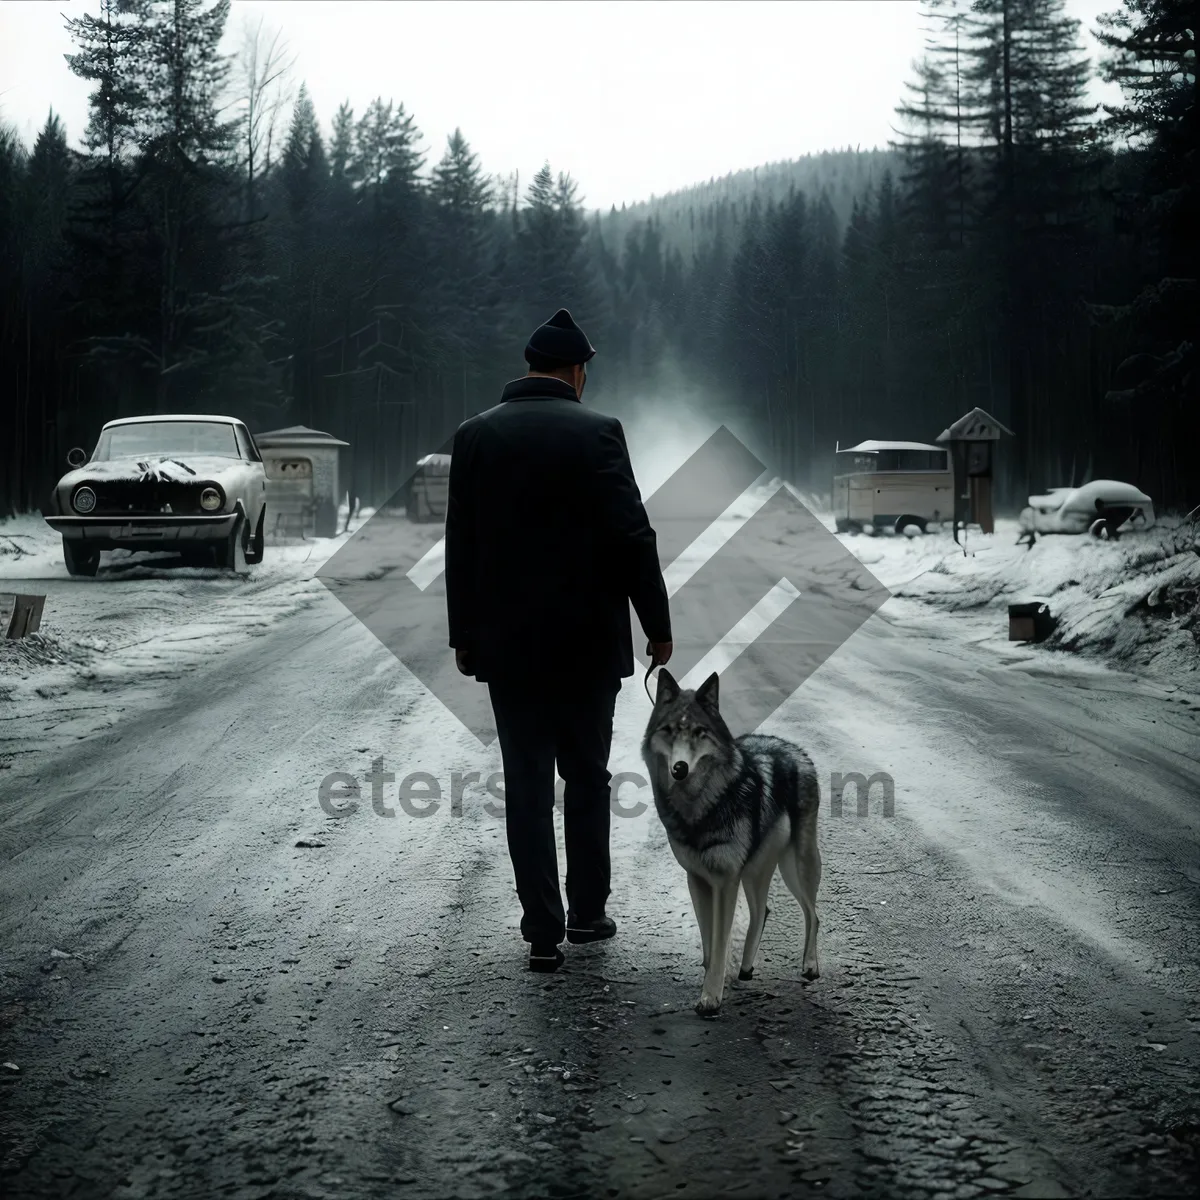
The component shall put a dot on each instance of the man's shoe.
(546, 959)
(580, 932)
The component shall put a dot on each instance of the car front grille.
(149, 498)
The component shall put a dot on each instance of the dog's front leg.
(724, 902)
(702, 902)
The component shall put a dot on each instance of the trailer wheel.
(903, 522)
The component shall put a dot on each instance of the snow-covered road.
(210, 984)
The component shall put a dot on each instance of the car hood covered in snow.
(152, 468)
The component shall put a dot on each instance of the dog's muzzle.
(679, 770)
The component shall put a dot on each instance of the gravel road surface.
(210, 985)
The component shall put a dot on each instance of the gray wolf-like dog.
(734, 810)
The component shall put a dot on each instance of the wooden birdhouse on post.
(971, 439)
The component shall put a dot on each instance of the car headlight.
(84, 500)
(211, 499)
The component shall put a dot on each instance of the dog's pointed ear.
(668, 689)
(708, 692)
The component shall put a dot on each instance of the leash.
(646, 678)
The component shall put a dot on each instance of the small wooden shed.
(303, 480)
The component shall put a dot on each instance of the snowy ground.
(1111, 600)
(210, 984)
(115, 644)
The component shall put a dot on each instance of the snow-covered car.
(190, 484)
(1102, 506)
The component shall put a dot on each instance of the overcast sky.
(634, 98)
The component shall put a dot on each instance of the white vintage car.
(190, 484)
(1103, 507)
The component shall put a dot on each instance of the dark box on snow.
(1029, 622)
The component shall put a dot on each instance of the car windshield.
(168, 438)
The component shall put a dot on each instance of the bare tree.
(263, 66)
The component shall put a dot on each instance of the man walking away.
(547, 542)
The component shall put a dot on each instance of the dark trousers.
(538, 727)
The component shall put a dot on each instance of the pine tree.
(858, 345)
(35, 390)
(1152, 55)
(461, 195)
(1152, 49)
(577, 279)
(641, 333)
(104, 217)
(746, 320)
(12, 317)
(385, 173)
(1030, 109)
(386, 161)
(935, 118)
(206, 317)
(700, 337)
(388, 349)
(48, 181)
(539, 233)
(924, 144)
(937, 211)
(551, 242)
(886, 272)
(109, 47)
(184, 81)
(459, 184)
(304, 175)
(340, 223)
(461, 303)
(304, 167)
(341, 144)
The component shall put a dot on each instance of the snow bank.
(108, 645)
(29, 549)
(1133, 601)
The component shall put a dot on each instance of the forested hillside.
(1015, 249)
(691, 217)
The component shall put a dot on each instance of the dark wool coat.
(547, 542)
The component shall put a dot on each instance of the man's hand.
(462, 662)
(660, 653)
